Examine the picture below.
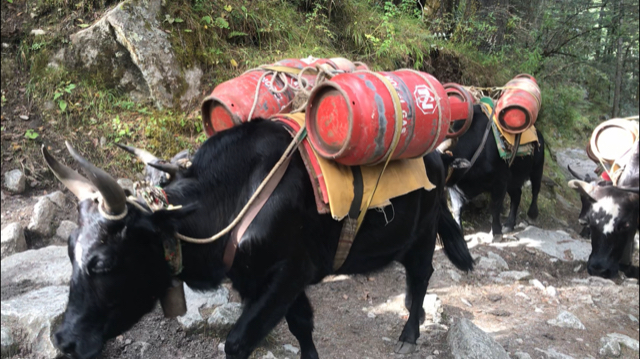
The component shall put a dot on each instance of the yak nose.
(64, 344)
(599, 270)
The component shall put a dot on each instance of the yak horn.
(169, 168)
(75, 182)
(143, 155)
(576, 175)
(112, 194)
(445, 145)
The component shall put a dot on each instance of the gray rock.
(12, 240)
(557, 244)
(291, 349)
(15, 181)
(633, 318)
(58, 198)
(489, 264)
(515, 275)
(126, 184)
(537, 284)
(626, 341)
(140, 348)
(454, 275)
(36, 314)
(8, 344)
(269, 355)
(521, 355)
(551, 291)
(42, 218)
(554, 354)
(128, 46)
(609, 347)
(600, 282)
(467, 341)
(37, 267)
(197, 301)
(502, 264)
(225, 316)
(64, 230)
(577, 159)
(432, 306)
(566, 320)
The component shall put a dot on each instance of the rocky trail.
(529, 297)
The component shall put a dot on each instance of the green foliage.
(563, 111)
(31, 134)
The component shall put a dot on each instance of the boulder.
(58, 198)
(467, 341)
(625, 340)
(557, 244)
(432, 306)
(64, 230)
(515, 275)
(42, 217)
(12, 240)
(128, 47)
(609, 347)
(201, 301)
(8, 344)
(224, 316)
(566, 320)
(15, 181)
(35, 315)
(48, 266)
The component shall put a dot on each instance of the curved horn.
(143, 155)
(169, 168)
(113, 195)
(445, 145)
(576, 175)
(75, 182)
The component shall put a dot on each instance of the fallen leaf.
(345, 296)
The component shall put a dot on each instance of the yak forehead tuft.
(607, 210)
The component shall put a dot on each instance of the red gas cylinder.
(519, 104)
(352, 118)
(461, 103)
(230, 103)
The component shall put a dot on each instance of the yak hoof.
(497, 238)
(405, 348)
(507, 229)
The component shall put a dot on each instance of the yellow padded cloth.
(400, 178)
(528, 136)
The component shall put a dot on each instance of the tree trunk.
(600, 24)
(619, 65)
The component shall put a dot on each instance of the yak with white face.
(611, 212)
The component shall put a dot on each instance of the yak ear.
(584, 188)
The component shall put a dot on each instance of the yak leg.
(419, 268)
(300, 321)
(515, 193)
(497, 198)
(536, 183)
(261, 314)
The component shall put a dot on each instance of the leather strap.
(254, 209)
(350, 227)
(484, 141)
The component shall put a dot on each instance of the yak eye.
(99, 266)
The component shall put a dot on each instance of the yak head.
(157, 171)
(612, 217)
(117, 256)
